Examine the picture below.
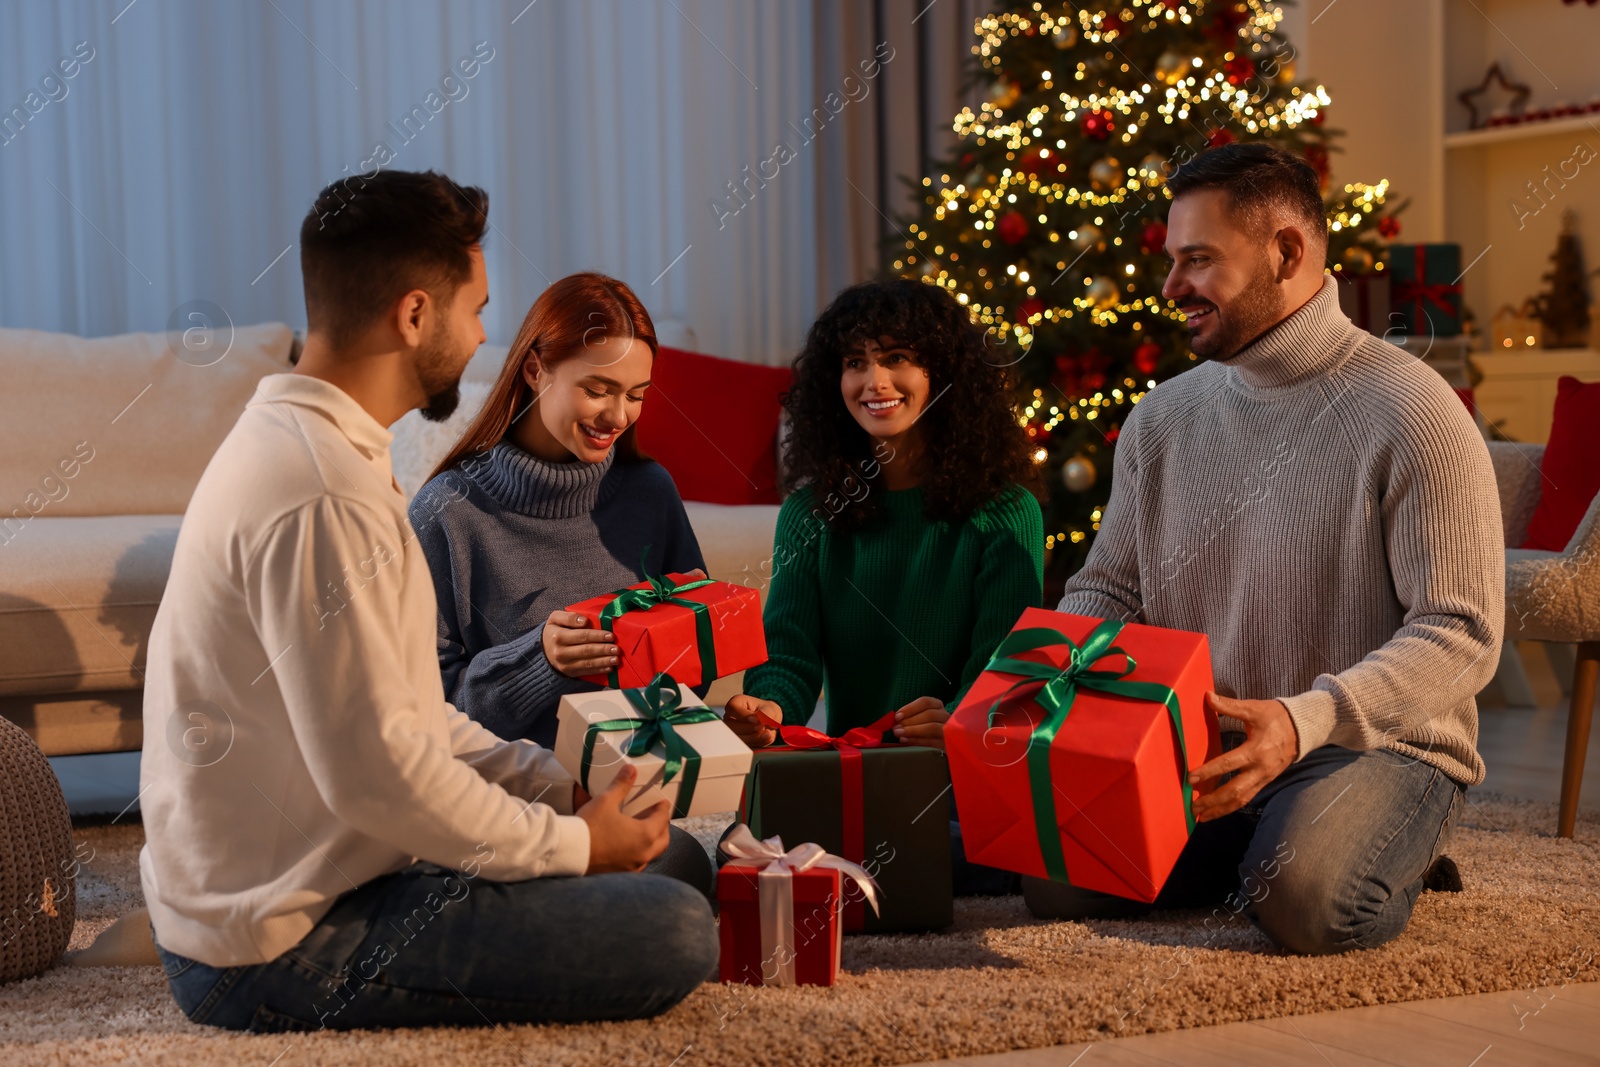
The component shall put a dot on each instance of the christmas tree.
(1564, 307)
(1048, 221)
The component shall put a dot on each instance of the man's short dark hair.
(1262, 182)
(369, 240)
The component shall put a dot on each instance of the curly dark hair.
(973, 447)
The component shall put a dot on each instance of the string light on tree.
(1048, 220)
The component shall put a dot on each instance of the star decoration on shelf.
(1519, 92)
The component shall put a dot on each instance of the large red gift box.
(697, 630)
(1090, 788)
(817, 933)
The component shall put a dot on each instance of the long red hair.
(575, 311)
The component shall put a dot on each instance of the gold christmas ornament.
(1154, 168)
(1285, 75)
(1103, 291)
(1171, 68)
(1088, 237)
(1358, 260)
(1078, 474)
(1002, 94)
(1106, 174)
(1064, 37)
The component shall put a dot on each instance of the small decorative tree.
(1564, 306)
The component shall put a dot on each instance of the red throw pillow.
(713, 423)
(1571, 466)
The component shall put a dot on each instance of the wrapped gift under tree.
(781, 911)
(1425, 287)
(697, 630)
(685, 754)
(1364, 298)
(1071, 753)
(876, 803)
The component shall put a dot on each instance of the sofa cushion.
(1570, 466)
(713, 423)
(77, 600)
(120, 425)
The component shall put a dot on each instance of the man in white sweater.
(1320, 505)
(330, 843)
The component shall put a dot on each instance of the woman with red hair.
(545, 501)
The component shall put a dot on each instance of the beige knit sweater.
(1323, 509)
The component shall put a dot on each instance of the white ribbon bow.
(775, 893)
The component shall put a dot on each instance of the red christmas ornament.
(1389, 226)
(1317, 156)
(1034, 164)
(1113, 433)
(1093, 382)
(1239, 70)
(1224, 26)
(1029, 308)
(1221, 136)
(1097, 124)
(1145, 357)
(1153, 238)
(1012, 227)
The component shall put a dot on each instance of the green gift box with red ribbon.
(697, 630)
(869, 800)
(1071, 752)
(1425, 288)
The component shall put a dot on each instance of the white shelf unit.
(1503, 189)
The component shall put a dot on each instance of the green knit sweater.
(903, 608)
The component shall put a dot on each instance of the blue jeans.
(427, 946)
(1327, 858)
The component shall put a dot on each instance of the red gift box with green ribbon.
(697, 630)
(1070, 753)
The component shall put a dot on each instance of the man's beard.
(434, 369)
(1247, 317)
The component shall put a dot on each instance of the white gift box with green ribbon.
(683, 751)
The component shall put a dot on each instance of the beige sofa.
(101, 444)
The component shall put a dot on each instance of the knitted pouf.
(38, 876)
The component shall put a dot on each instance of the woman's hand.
(921, 722)
(575, 648)
(752, 719)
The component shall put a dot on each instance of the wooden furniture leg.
(1579, 717)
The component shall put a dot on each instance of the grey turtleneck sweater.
(510, 538)
(1322, 507)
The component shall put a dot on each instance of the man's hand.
(575, 647)
(1271, 743)
(619, 842)
(921, 722)
(752, 720)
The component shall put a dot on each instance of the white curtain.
(176, 162)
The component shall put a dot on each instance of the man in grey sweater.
(1320, 505)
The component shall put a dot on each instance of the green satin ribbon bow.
(1057, 692)
(660, 710)
(661, 590)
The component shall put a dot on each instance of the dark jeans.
(427, 946)
(1328, 857)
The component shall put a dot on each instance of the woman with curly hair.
(908, 545)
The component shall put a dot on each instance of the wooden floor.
(1486, 1030)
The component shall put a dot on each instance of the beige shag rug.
(998, 980)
